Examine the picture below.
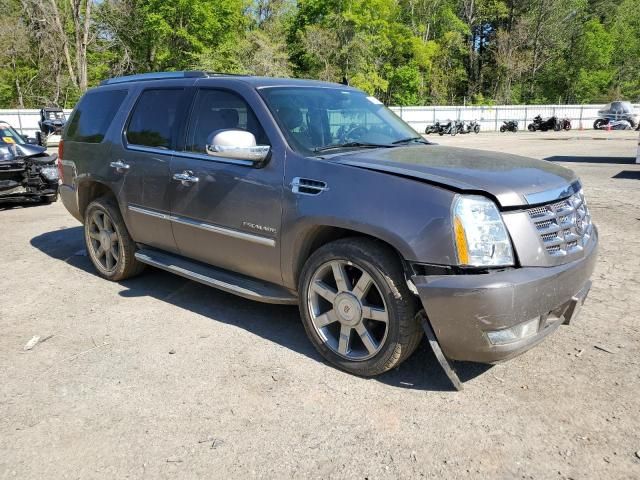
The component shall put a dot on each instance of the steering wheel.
(354, 133)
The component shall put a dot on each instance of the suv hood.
(511, 179)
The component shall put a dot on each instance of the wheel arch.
(316, 236)
(90, 190)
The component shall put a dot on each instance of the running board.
(215, 277)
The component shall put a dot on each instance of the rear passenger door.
(143, 162)
(230, 216)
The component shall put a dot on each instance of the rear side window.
(94, 115)
(153, 118)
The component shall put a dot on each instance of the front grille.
(564, 226)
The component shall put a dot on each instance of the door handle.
(120, 166)
(187, 178)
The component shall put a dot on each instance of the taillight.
(59, 161)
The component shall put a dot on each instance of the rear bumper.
(463, 308)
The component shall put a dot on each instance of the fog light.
(517, 332)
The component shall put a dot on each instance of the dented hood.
(511, 179)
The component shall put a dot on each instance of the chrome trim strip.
(151, 213)
(195, 155)
(208, 158)
(139, 148)
(548, 196)
(269, 242)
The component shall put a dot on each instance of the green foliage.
(405, 52)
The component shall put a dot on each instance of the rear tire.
(502, 129)
(336, 311)
(109, 245)
(531, 128)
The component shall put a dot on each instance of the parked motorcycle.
(550, 123)
(609, 124)
(449, 128)
(468, 127)
(509, 126)
(435, 128)
(565, 124)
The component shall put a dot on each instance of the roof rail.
(153, 76)
(162, 76)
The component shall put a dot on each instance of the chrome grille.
(564, 226)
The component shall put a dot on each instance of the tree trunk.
(65, 42)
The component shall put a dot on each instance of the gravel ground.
(159, 377)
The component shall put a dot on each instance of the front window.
(316, 120)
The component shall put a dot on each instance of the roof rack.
(164, 76)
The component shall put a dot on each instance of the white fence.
(491, 118)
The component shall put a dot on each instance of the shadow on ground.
(628, 175)
(276, 323)
(578, 159)
(15, 204)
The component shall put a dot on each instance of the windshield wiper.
(350, 145)
(411, 139)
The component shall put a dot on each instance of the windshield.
(9, 135)
(316, 119)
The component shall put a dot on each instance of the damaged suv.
(315, 194)
(27, 172)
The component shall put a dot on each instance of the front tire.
(356, 306)
(109, 245)
(503, 129)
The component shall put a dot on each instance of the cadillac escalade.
(315, 194)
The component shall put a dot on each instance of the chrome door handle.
(187, 178)
(120, 166)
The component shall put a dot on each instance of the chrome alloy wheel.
(104, 243)
(347, 310)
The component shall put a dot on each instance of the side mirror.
(238, 145)
(30, 140)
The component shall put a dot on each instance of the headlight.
(49, 172)
(480, 235)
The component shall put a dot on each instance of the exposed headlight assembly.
(480, 234)
(49, 172)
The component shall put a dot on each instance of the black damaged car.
(27, 172)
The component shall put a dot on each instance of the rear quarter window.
(93, 116)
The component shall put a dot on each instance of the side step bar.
(215, 277)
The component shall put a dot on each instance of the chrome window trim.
(140, 148)
(548, 196)
(269, 242)
(198, 156)
(202, 156)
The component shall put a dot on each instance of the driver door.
(229, 214)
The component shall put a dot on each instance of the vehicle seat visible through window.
(294, 123)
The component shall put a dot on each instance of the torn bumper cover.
(496, 316)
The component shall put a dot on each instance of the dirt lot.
(159, 377)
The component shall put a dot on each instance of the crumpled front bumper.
(463, 308)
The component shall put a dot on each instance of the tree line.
(405, 52)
